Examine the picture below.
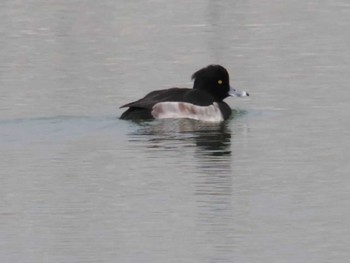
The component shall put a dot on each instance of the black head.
(213, 79)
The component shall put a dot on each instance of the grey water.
(272, 184)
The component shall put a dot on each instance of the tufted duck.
(203, 102)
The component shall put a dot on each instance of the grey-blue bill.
(237, 93)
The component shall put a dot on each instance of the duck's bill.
(237, 93)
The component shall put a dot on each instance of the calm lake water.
(77, 184)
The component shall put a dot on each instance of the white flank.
(167, 110)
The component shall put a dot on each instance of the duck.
(204, 102)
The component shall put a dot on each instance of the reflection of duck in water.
(203, 102)
(211, 139)
(214, 142)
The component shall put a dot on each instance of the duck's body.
(203, 102)
(177, 103)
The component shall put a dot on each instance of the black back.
(196, 97)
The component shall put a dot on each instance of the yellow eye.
(219, 81)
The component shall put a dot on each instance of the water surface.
(79, 185)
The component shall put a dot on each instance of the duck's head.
(215, 80)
